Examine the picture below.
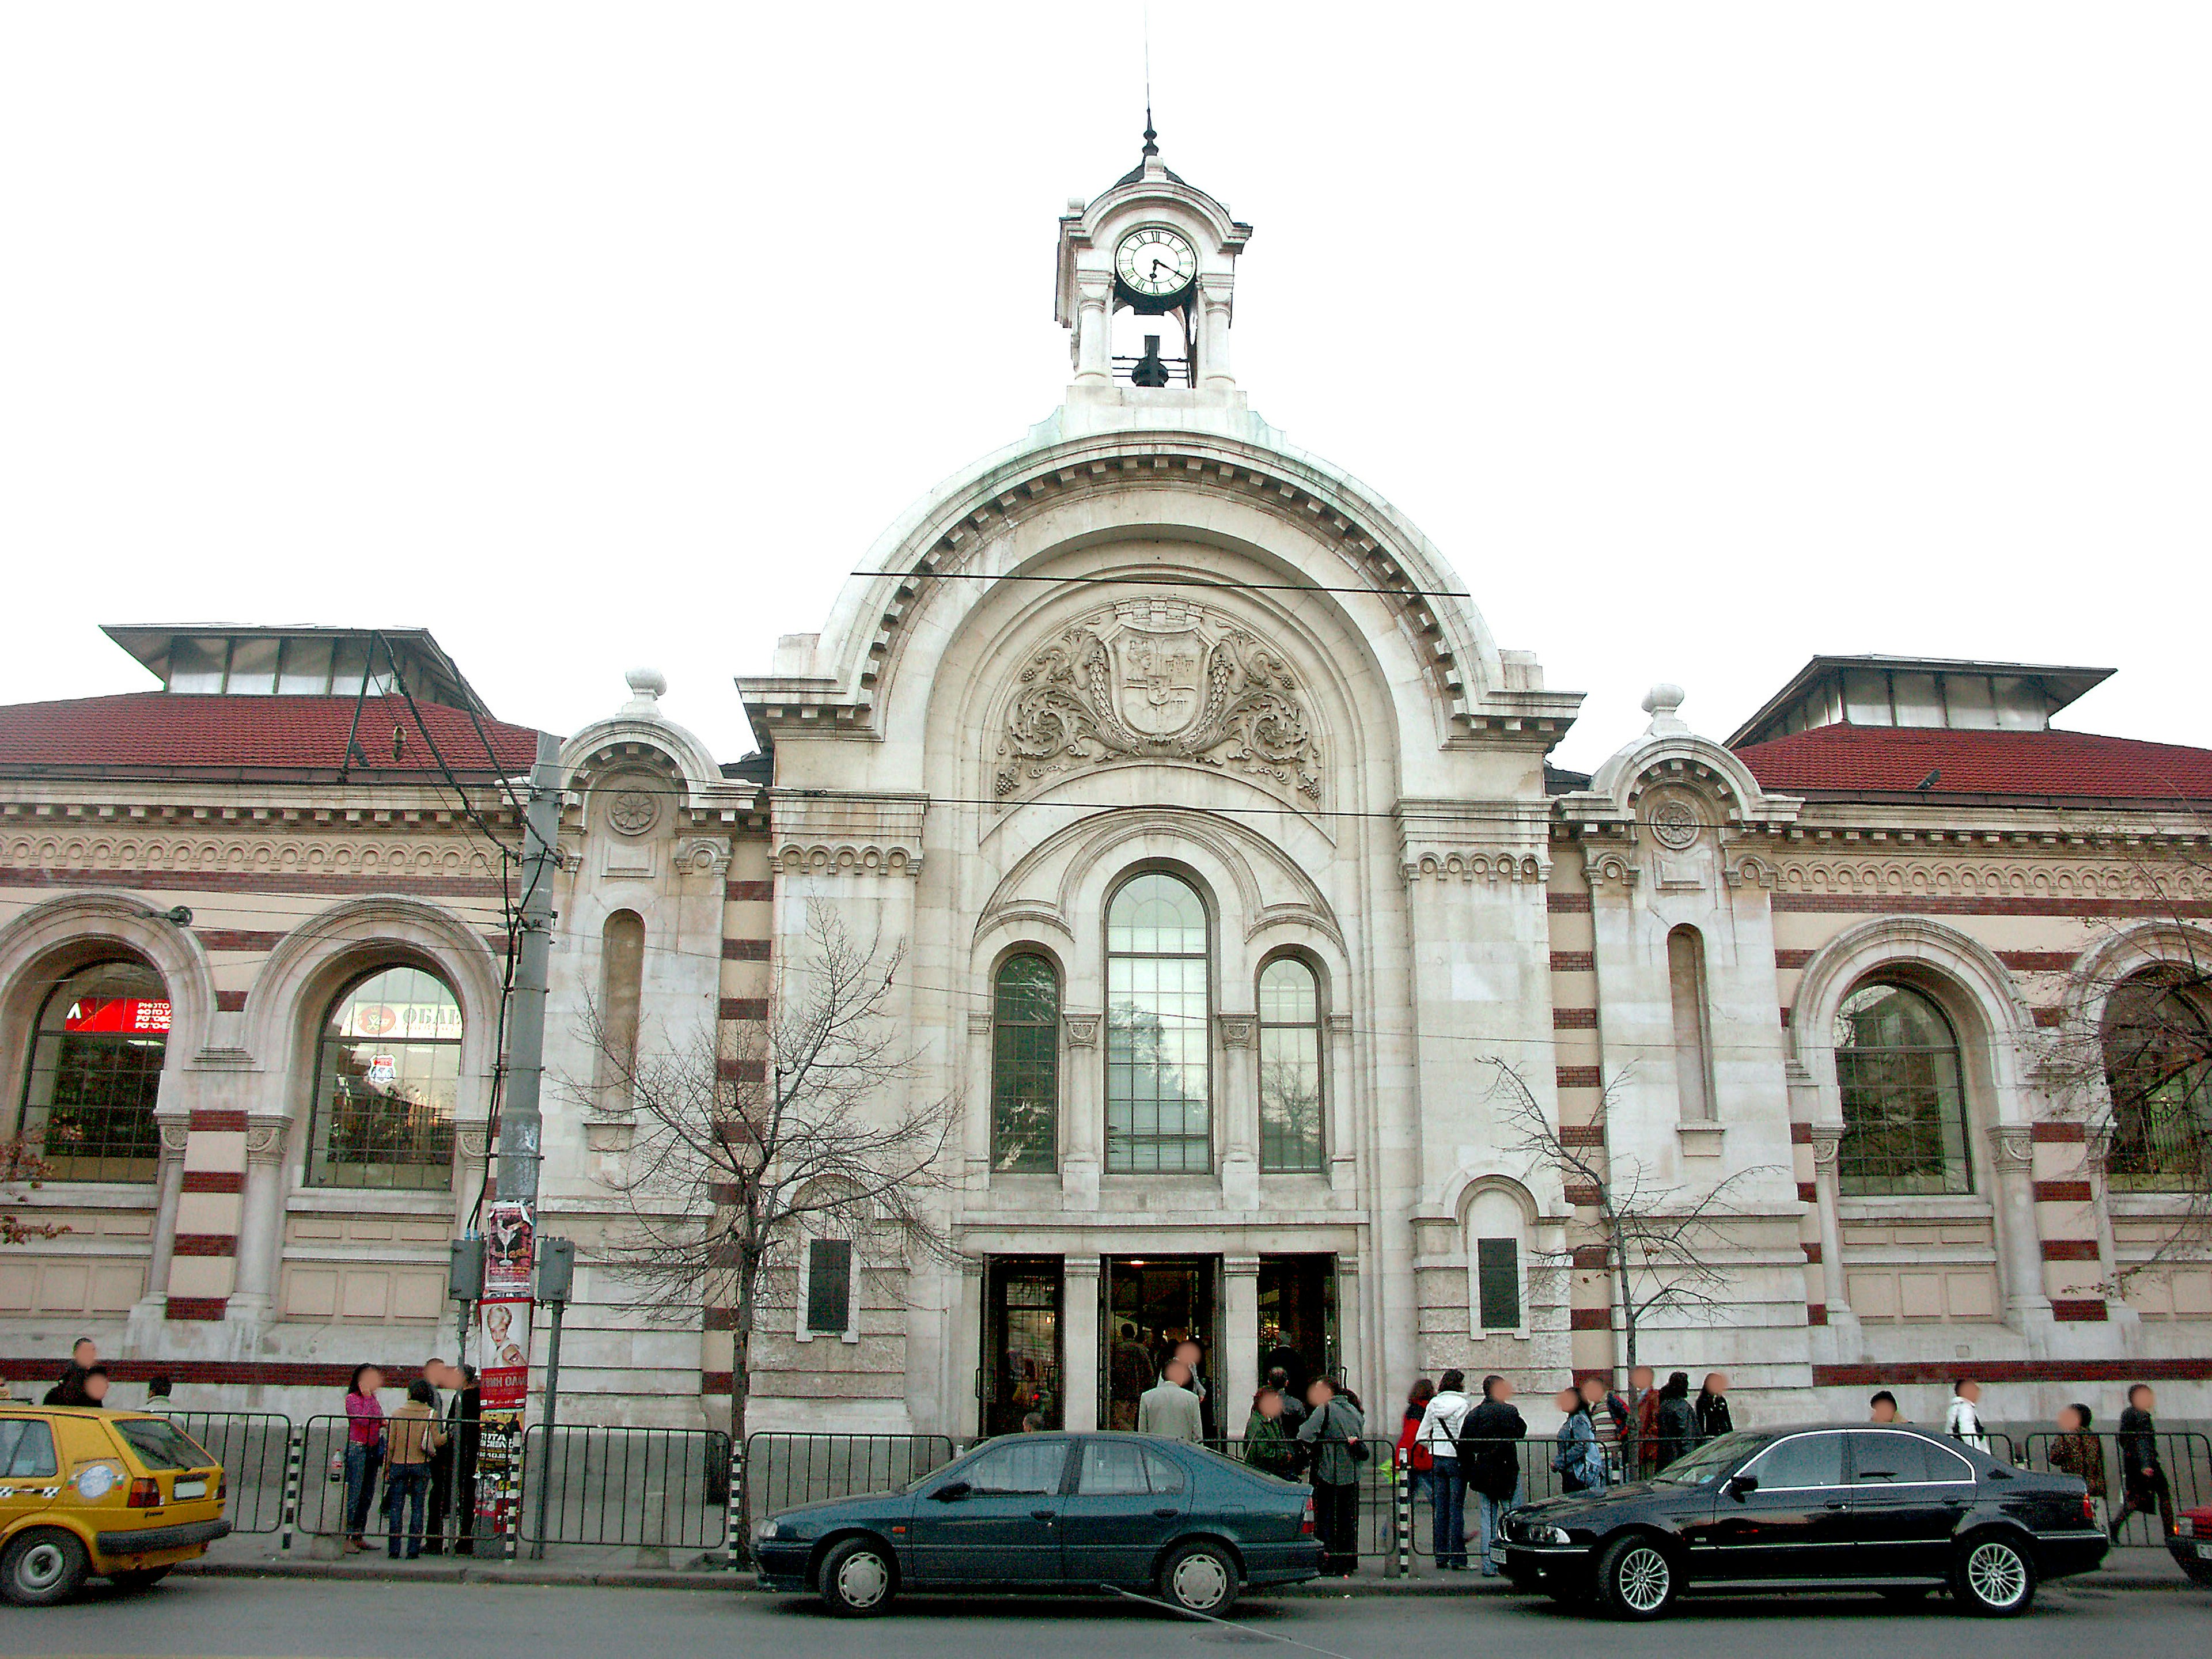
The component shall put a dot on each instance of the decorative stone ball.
(646, 682)
(1663, 699)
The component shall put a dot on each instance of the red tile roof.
(159, 729)
(1880, 759)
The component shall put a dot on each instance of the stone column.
(261, 1221)
(966, 1413)
(1238, 1098)
(1214, 332)
(2020, 1242)
(471, 1146)
(1079, 1342)
(1237, 1370)
(975, 1132)
(1094, 330)
(168, 1184)
(1828, 1194)
(1342, 1148)
(1083, 1086)
(1351, 1359)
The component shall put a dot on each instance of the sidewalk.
(640, 1569)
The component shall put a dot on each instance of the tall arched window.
(1026, 1067)
(2158, 1060)
(1694, 1045)
(622, 988)
(95, 1070)
(386, 1075)
(1290, 1068)
(1905, 1108)
(1157, 1085)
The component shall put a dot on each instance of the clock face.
(1154, 261)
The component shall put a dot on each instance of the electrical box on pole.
(465, 1265)
(557, 1267)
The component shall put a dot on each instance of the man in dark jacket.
(1678, 1419)
(2142, 1477)
(1713, 1418)
(1489, 1458)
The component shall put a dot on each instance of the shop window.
(2158, 1060)
(1026, 1067)
(1157, 1100)
(1905, 1108)
(386, 1074)
(96, 1072)
(1290, 1068)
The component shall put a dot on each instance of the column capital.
(265, 1137)
(2015, 1144)
(1238, 1031)
(1240, 1267)
(1079, 1267)
(1082, 1028)
(1827, 1139)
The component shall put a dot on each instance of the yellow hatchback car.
(121, 1494)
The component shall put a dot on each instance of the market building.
(1240, 902)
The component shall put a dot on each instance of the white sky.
(1700, 337)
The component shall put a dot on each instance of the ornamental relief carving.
(369, 851)
(2027, 878)
(1160, 679)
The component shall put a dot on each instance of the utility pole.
(520, 1123)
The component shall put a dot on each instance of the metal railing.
(2184, 1458)
(251, 1447)
(782, 1470)
(649, 1488)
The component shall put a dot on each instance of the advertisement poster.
(510, 1249)
(503, 1315)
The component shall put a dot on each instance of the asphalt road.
(341, 1620)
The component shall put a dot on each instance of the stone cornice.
(819, 830)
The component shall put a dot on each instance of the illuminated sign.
(131, 1016)
(403, 1022)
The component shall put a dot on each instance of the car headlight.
(2185, 1525)
(1547, 1535)
(765, 1529)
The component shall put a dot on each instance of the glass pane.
(253, 668)
(2158, 1061)
(1497, 1283)
(828, 1284)
(1290, 1098)
(1025, 1067)
(1905, 1112)
(1916, 701)
(197, 665)
(1113, 1468)
(1032, 1466)
(1158, 1115)
(1866, 696)
(306, 668)
(1157, 913)
(95, 1074)
(1967, 702)
(1804, 1460)
(387, 1074)
(1288, 996)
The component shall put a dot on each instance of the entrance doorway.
(1021, 1343)
(1153, 1303)
(1298, 1318)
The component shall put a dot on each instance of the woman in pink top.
(364, 1450)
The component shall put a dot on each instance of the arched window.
(622, 988)
(1497, 1248)
(1290, 1068)
(1905, 1110)
(386, 1075)
(1694, 1045)
(1157, 1085)
(1026, 1067)
(2158, 1059)
(96, 1070)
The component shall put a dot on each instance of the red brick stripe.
(1574, 1019)
(250, 1373)
(745, 1007)
(749, 891)
(1590, 1319)
(1568, 904)
(721, 1319)
(214, 1181)
(2037, 961)
(1816, 1313)
(715, 1382)
(1808, 1193)
(2078, 1311)
(2015, 1371)
(201, 1307)
(2062, 1192)
(230, 1002)
(238, 938)
(1578, 1077)
(2059, 1135)
(741, 1071)
(1584, 1193)
(240, 881)
(1926, 905)
(2070, 1249)
(206, 1244)
(1788, 959)
(1574, 962)
(1812, 1254)
(1590, 1257)
(1801, 1134)
(211, 1120)
(1581, 1135)
(745, 950)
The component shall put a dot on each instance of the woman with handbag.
(364, 1451)
(1338, 1435)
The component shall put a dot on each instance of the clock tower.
(1146, 282)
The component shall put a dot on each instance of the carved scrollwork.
(1160, 679)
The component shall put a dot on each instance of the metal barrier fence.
(650, 1488)
(2184, 1458)
(785, 1469)
(251, 1447)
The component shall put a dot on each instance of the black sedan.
(1890, 1510)
(1050, 1511)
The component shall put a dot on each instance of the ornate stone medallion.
(632, 811)
(1675, 826)
(1159, 679)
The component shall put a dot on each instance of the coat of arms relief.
(1165, 679)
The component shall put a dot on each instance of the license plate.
(183, 1489)
(2204, 1552)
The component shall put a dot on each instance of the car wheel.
(42, 1566)
(1199, 1578)
(1993, 1577)
(858, 1579)
(140, 1578)
(1636, 1579)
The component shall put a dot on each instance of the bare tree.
(23, 1170)
(1663, 1245)
(738, 1151)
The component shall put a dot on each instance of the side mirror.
(952, 1492)
(1739, 1484)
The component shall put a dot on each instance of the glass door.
(1021, 1334)
(1151, 1303)
(1298, 1318)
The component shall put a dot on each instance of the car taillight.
(1306, 1521)
(222, 1486)
(2088, 1509)
(145, 1493)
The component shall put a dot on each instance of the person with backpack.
(1963, 1422)
(1490, 1461)
(1438, 1435)
(1337, 1434)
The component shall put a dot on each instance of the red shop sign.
(130, 1015)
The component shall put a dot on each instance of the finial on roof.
(646, 685)
(1660, 703)
(1151, 147)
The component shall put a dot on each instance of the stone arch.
(2095, 974)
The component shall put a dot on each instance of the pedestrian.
(1131, 1370)
(1963, 1422)
(1678, 1419)
(411, 1442)
(1294, 1406)
(440, 1375)
(466, 1413)
(1409, 1454)
(70, 1391)
(1643, 1408)
(1193, 1355)
(1608, 1415)
(96, 1384)
(1882, 1409)
(2078, 1452)
(1438, 1433)
(1169, 1409)
(1337, 1434)
(2142, 1477)
(1579, 1460)
(1268, 1444)
(1490, 1460)
(364, 1451)
(157, 1395)
(1713, 1418)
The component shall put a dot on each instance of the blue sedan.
(1052, 1511)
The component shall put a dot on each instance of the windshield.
(161, 1446)
(1715, 1457)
